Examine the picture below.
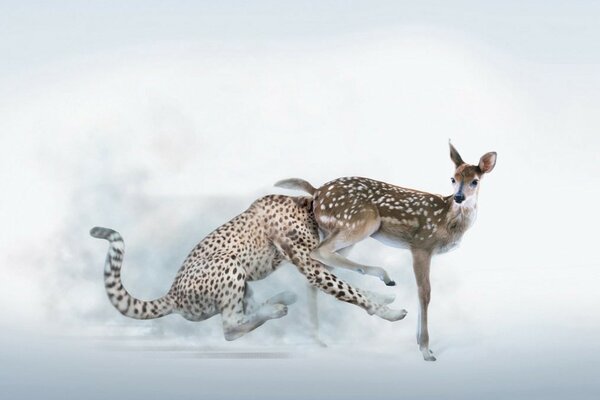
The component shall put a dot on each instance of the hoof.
(428, 355)
(391, 283)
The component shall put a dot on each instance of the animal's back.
(242, 247)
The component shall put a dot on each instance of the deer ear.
(487, 162)
(456, 158)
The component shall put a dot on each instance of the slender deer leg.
(313, 312)
(326, 252)
(421, 266)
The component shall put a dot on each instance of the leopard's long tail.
(117, 294)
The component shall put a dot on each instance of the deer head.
(466, 176)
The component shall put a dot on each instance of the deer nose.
(459, 198)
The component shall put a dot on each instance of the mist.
(164, 134)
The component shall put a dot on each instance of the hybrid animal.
(214, 277)
(351, 209)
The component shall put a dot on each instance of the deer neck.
(460, 217)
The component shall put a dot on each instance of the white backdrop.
(164, 123)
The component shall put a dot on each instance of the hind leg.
(251, 306)
(366, 223)
(241, 314)
(285, 298)
(236, 324)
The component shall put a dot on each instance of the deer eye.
(474, 183)
(453, 180)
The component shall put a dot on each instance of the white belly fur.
(390, 240)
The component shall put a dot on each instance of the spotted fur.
(213, 278)
(351, 209)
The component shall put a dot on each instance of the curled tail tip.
(103, 233)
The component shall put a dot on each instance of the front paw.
(391, 314)
(285, 297)
(272, 311)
